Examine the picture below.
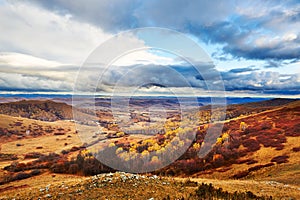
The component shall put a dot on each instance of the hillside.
(122, 185)
(249, 145)
(40, 110)
(258, 150)
(44, 110)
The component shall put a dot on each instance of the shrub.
(64, 152)
(190, 183)
(20, 176)
(59, 133)
(33, 155)
(258, 167)
(58, 168)
(8, 157)
(280, 159)
(241, 174)
(74, 148)
(293, 131)
(266, 125)
(73, 169)
(205, 191)
(251, 145)
(51, 157)
(296, 149)
(35, 172)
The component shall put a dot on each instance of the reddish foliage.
(18, 124)
(272, 139)
(74, 148)
(240, 175)
(242, 161)
(280, 159)
(251, 145)
(250, 162)
(59, 133)
(257, 167)
(293, 131)
(33, 155)
(296, 149)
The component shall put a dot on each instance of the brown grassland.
(256, 156)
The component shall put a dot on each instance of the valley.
(250, 146)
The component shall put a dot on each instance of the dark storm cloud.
(235, 30)
(110, 15)
(163, 75)
(248, 29)
(187, 76)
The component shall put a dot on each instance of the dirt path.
(252, 115)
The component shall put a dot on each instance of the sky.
(250, 48)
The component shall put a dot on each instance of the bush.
(190, 183)
(74, 148)
(59, 133)
(258, 167)
(8, 157)
(58, 168)
(21, 175)
(33, 155)
(51, 157)
(205, 191)
(296, 149)
(241, 174)
(251, 145)
(35, 172)
(73, 169)
(280, 159)
(64, 152)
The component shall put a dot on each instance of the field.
(255, 155)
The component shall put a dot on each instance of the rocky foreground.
(122, 185)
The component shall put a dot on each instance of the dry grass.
(48, 142)
(279, 180)
(75, 187)
(274, 189)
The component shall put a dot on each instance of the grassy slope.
(286, 172)
(76, 187)
(258, 181)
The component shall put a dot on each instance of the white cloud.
(43, 46)
(43, 49)
(23, 60)
(11, 82)
(41, 33)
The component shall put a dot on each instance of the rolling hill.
(44, 110)
(258, 150)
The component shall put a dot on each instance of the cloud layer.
(44, 43)
(249, 29)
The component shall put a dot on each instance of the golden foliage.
(243, 126)
(112, 144)
(119, 150)
(196, 146)
(120, 134)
